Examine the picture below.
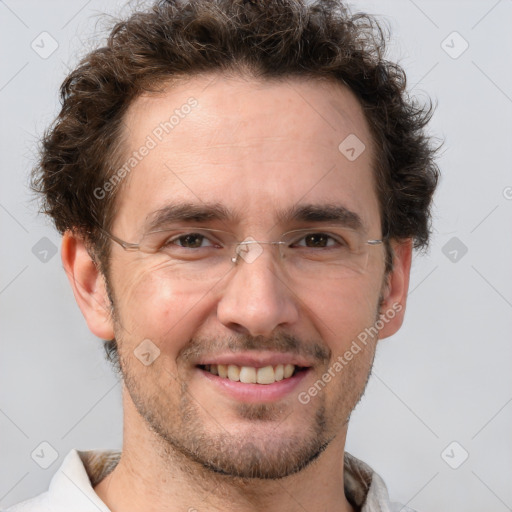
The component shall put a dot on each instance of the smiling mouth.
(253, 375)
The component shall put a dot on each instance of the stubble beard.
(188, 436)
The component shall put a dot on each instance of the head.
(254, 118)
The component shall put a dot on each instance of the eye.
(190, 241)
(318, 241)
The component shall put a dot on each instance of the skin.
(256, 147)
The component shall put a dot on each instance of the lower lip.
(254, 393)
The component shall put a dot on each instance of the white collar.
(72, 486)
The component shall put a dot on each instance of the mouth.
(265, 375)
(251, 381)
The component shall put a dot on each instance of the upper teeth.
(251, 375)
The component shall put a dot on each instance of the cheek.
(151, 306)
(342, 310)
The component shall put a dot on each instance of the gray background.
(444, 378)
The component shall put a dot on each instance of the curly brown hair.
(273, 39)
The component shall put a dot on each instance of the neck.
(153, 476)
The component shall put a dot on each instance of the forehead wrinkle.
(249, 141)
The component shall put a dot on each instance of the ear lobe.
(395, 291)
(88, 284)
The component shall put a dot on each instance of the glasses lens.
(330, 253)
(192, 254)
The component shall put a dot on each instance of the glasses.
(202, 254)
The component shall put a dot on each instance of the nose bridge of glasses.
(250, 249)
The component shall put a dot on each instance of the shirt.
(72, 487)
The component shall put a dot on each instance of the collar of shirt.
(72, 486)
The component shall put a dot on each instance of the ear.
(394, 294)
(88, 285)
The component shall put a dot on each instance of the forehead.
(257, 148)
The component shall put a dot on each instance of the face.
(256, 160)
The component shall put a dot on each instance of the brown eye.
(317, 240)
(192, 240)
(189, 241)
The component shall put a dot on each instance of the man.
(240, 186)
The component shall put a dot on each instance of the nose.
(257, 299)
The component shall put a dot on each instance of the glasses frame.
(132, 247)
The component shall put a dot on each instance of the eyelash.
(176, 238)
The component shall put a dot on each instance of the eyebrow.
(210, 212)
(321, 213)
(186, 212)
